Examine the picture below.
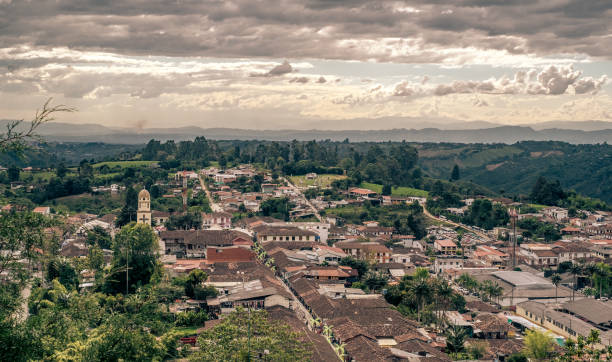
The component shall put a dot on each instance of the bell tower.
(143, 216)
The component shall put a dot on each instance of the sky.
(306, 64)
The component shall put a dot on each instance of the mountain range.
(587, 132)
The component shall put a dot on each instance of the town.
(352, 270)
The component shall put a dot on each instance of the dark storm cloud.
(314, 29)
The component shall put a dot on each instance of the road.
(213, 206)
(310, 205)
(470, 229)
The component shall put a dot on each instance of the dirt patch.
(536, 154)
(492, 167)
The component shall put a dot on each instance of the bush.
(191, 319)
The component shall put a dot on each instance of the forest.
(471, 169)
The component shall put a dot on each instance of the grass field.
(45, 176)
(321, 180)
(186, 331)
(538, 207)
(124, 164)
(396, 191)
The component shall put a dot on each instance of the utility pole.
(513, 217)
(127, 270)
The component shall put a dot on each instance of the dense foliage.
(249, 335)
(514, 169)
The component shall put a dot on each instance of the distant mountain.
(574, 125)
(476, 132)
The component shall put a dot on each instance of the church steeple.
(144, 208)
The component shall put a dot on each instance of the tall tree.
(455, 173)
(128, 212)
(135, 258)
(538, 345)
(556, 279)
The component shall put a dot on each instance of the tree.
(386, 189)
(63, 272)
(61, 170)
(96, 258)
(13, 173)
(277, 207)
(120, 339)
(185, 221)
(455, 338)
(374, 280)
(455, 173)
(128, 212)
(98, 236)
(194, 288)
(248, 335)
(85, 169)
(135, 258)
(575, 270)
(602, 277)
(517, 357)
(420, 290)
(556, 279)
(547, 193)
(361, 266)
(538, 345)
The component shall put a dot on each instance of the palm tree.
(327, 332)
(315, 322)
(421, 273)
(575, 269)
(443, 292)
(497, 291)
(339, 348)
(589, 269)
(593, 337)
(556, 279)
(419, 290)
(455, 337)
(602, 273)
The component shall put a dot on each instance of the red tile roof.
(229, 255)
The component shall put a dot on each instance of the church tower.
(143, 216)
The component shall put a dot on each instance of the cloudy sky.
(327, 64)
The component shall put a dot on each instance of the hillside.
(513, 169)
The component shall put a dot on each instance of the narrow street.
(213, 206)
(469, 228)
(310, 205)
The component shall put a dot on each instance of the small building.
(361, 192)
(446, 247)
(221, 220)
(442, 264)
(268, 188)
(43, 210)
(366, 250)
(267, 233)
